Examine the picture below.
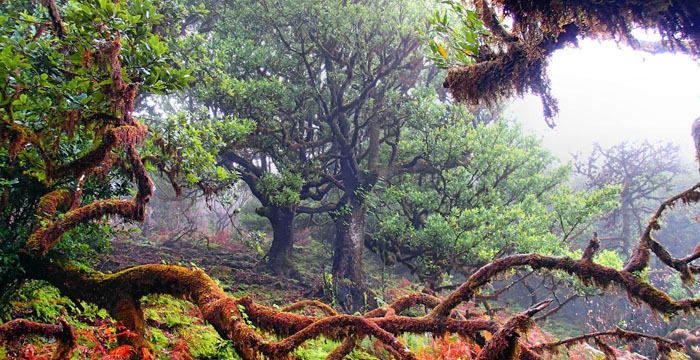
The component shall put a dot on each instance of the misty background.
(609, 94)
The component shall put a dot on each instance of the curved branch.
(41, 240)
(586, 271)
(64, 334)
(329, 311)
(405, 302)
(662, 344)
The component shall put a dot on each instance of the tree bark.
(349, 290)
(280, 256)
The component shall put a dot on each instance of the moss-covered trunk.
(280, 256)
(349, 290)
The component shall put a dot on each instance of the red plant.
(29, 353)
(123, 352)
(181, 351)
(446, 347)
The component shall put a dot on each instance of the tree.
(68, 124)
(495, 192)
(645, 171)
(323, 110)
(65, 107)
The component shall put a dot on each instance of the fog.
(608, 94)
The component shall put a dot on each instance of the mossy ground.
(176, 330)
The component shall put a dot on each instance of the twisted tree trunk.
(349, 290)
(280, 257)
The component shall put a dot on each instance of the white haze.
(609, 94)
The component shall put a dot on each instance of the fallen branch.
(329, 311)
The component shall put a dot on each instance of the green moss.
(203, 341)
(318, 349)
(180, 322)
(158, 339)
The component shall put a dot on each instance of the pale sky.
(609, 94)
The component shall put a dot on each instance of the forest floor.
(175, 326)
(238, 272)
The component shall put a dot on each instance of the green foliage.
(87, 241)
(43, 303)
(188, 145)
(452, 34)
(318, 349)
(494, 192)
(677, 290)
(609, 258)
(282, 189)
(180, 327)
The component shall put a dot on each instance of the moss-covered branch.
(303, 304)
(63, 333)
(505, 344)
(641, 253)
(585, 270)
(663, 345)
(404, 303)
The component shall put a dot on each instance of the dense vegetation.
(327, 126)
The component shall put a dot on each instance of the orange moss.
(50, 203)
(300, 305)
(17, 136)
(55, 17)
